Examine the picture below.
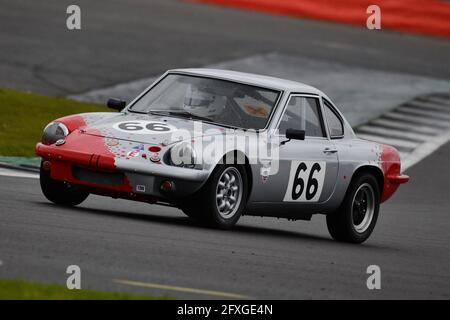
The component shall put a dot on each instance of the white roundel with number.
(144, 127)
(306, 180)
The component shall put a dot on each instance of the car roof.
(251, 78)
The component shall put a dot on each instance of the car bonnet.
(151, 129)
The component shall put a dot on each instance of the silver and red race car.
(221, 144)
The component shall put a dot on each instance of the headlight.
(53, 132)
(183, 155)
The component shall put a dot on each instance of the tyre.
(222, 200)
(356, 218)
(60, 192)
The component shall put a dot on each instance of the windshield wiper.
(134, 111)
(184, 114)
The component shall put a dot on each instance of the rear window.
(334, 122)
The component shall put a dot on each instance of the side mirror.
(295, 134)
(116, 104)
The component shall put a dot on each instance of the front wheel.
(222, 199)
(356, 218)
(60, 192)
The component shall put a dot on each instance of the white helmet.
(203, 103)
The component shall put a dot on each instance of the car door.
(307, 168)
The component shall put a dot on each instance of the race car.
(220, 144)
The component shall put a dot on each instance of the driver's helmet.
(202, 102)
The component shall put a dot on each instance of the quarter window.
(334, 122)
(303, 114)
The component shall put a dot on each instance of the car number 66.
(306, 180)
(140, 126)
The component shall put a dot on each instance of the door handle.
(330, 150)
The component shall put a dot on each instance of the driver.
(203, 102)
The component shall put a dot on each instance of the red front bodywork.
(87, 151)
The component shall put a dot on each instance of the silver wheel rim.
(363, 207)
(229, 192)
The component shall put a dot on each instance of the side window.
(303, 114)
(334, 122)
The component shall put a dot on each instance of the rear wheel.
(60, 192)
(357, 216)
(222, 199)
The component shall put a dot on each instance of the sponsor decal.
(260, 112)
(140, 188)
(139, 147)
(265, 172)
(112, 142)
(136, 151)
(253, 107)
(133, 153)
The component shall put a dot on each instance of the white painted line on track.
(417, 119)
(18, 173)
(427, 105)
(417, 124)
(389, 141)
(182, 289)
(397, 134)
(441, 101)
(406, 126)
(426, 113)
(424, 150)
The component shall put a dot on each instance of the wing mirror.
(116, 104)
(295, 134)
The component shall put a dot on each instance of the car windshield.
(219, 101)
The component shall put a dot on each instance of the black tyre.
(59, 192)
(358, 214)
(222, 200)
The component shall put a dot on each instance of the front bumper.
(398, 179)
(115, 177)
(96, 161)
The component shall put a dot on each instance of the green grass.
(24, 290)
(24, 115)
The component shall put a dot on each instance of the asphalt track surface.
(261, 258)
(157, 246)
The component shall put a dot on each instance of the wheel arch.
(371, 169)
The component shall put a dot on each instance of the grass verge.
(24, 115)
(25, 290)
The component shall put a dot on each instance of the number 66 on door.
(305, 181)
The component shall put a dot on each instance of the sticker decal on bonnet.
(144, 127)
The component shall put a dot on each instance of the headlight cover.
(53, 132)
(183, 155)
